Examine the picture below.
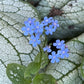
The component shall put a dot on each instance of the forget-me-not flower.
(63, 52)
(30, 21)
(59, 44)
(54, 57)
(47, 48)
(28, 29)
(47, 21)
(49, 30)
(55, 23)
(34, 40)
(38, 27)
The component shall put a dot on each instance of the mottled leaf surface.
(14, 46)
(15, 72)
(44, 79)
(71, 21)
(67, 71)
(32, 69)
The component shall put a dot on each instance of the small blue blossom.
(29, 21)
(47, 20)
(55, 23)
(34, 40)
(54, 57)
(63, 52)
(47, 48)
(28, 29)
(38, 27)
(59, 44)
(49, 30)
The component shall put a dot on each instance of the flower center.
(54, 57)
(46, 20)
(28, 29)
(55, 24)
(37, 27)
(49, 29)
(59, 43)
(29, 21)
(63, 52)
(34, 40)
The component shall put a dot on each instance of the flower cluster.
(61, 53)
(35, 29)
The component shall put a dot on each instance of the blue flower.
(38, 27)
(47, 20)
(55, 23)
(29, 21)
(63, 52)
(59, 44)
(54, 57)
(28, 29)
(49, 30)
(47, 48)
(34, 40)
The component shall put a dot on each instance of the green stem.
(40, 53)
(45, 41)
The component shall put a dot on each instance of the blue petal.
(49, 50)
(50, 56)
(56, 21)
(62, 41)
(23, 28)
(34, 44)
(53, 61)
(53, 53)
(29, 19)
(62, 56)
(45, 18)
(38, 41)
(57, 60)
(30, 41)
(25, 33)
(57, 25)
(54, 44)
(51, 33)
(67, 55)
(44, 49)
(66, 50)
(57, 41)
(47, 32)
(25, 22)
(59, 52)
(46, 28)
(32, 37)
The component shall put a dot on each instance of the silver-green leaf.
(71, 20)
(67, 71)
(14, 46)
(15, 73)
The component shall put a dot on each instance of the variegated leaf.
(71, 21)
(67, 71)
(14, 46)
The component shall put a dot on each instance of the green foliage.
(42, 58)
(31, 69)
(28, 80)
(15, 73)
(44, 79)
(82, 68)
